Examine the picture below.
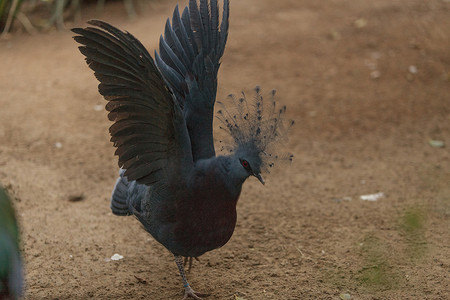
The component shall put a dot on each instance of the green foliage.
(52, 13)
(376, 271)
(8, 11)
(413, 220)
(412, 225)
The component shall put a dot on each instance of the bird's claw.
(190, 293)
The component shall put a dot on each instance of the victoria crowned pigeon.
(11, 276)
(162, 109)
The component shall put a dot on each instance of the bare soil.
(368, 83)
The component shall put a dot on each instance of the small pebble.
(334, 35)
(372, 197)
(98, 107)
(345, 296)
(412, 69)
(116, 257)
(360, 23)
(436, 143)
(76, 198)
(375, 74)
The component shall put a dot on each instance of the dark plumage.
(162, 109)
(11, 273)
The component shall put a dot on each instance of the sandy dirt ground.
(368, 83)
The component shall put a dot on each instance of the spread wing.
(189, 59)
(149, 130)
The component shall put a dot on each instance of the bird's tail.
(120, 195)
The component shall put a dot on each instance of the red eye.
(245, 163)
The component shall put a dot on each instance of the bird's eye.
(245, 164)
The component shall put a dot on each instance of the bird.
(11, 266)
(162, 110)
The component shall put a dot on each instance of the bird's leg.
(188, 291)
(190, 264)
(190, 258)
(186, 260)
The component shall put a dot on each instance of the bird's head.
(256, 129)
(247, 162)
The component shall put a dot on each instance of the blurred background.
(32, 15)
(363, 212)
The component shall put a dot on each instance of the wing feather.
(206, 20)
(149, 130)
(223, 34)
(171, 56)
(189, 59)
(187, 25)
(175, 44)
(180, 31)
(214, 23)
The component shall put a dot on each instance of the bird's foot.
(190, 293)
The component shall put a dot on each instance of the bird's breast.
(206, 219)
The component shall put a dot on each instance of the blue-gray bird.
(11, 273)
(162, 109)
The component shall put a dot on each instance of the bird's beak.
(259, 178)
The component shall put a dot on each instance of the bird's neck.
(234, 183)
